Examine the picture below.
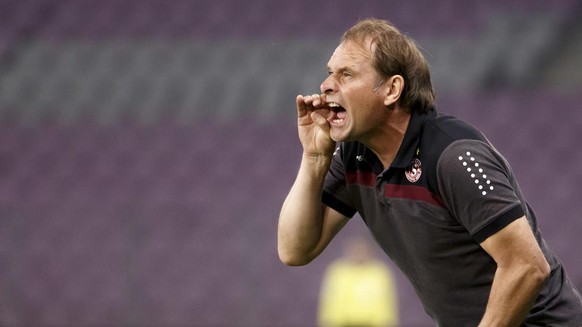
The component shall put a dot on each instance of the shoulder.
(447, 129)
(440, 131)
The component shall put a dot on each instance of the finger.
(323, 98)
(300, 100)
(320, 118)
(317, 103)
(308, 100)
(311, 102)
(302, 106)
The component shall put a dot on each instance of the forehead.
(350, 53)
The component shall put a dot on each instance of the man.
(358, 290)
(435, 194)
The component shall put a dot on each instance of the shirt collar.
(411, 139)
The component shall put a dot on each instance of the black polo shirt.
(446, 191)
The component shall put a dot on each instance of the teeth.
(333, 105)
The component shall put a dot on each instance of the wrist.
(317, 159)
(316, 164)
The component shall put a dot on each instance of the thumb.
(320, 120)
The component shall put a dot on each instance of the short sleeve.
(335, 193)
(477, 185)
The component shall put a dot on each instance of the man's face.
(354, 94)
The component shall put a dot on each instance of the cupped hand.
(313, 127)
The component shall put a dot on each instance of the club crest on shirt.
(414, 171)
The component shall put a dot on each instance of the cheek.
(363, 103)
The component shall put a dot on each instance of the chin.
(339, 137)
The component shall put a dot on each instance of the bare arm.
(305, 225)
(521, 272)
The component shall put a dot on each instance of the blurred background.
(146, 146)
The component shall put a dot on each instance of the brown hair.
(397, 54)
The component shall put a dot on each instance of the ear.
(394, 87)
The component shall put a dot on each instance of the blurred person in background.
(438, 198)
(358, 290)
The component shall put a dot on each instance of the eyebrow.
(341, 69)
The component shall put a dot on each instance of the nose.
(328, 85)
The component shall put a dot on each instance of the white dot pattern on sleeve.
(479, 179)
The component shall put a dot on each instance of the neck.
(386, 142)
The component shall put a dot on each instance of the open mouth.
(338, 115)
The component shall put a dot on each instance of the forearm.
(512, 294)
(301, 218)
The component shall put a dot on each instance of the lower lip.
(338, 118)
(337, 122)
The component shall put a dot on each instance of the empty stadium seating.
(146, 147)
